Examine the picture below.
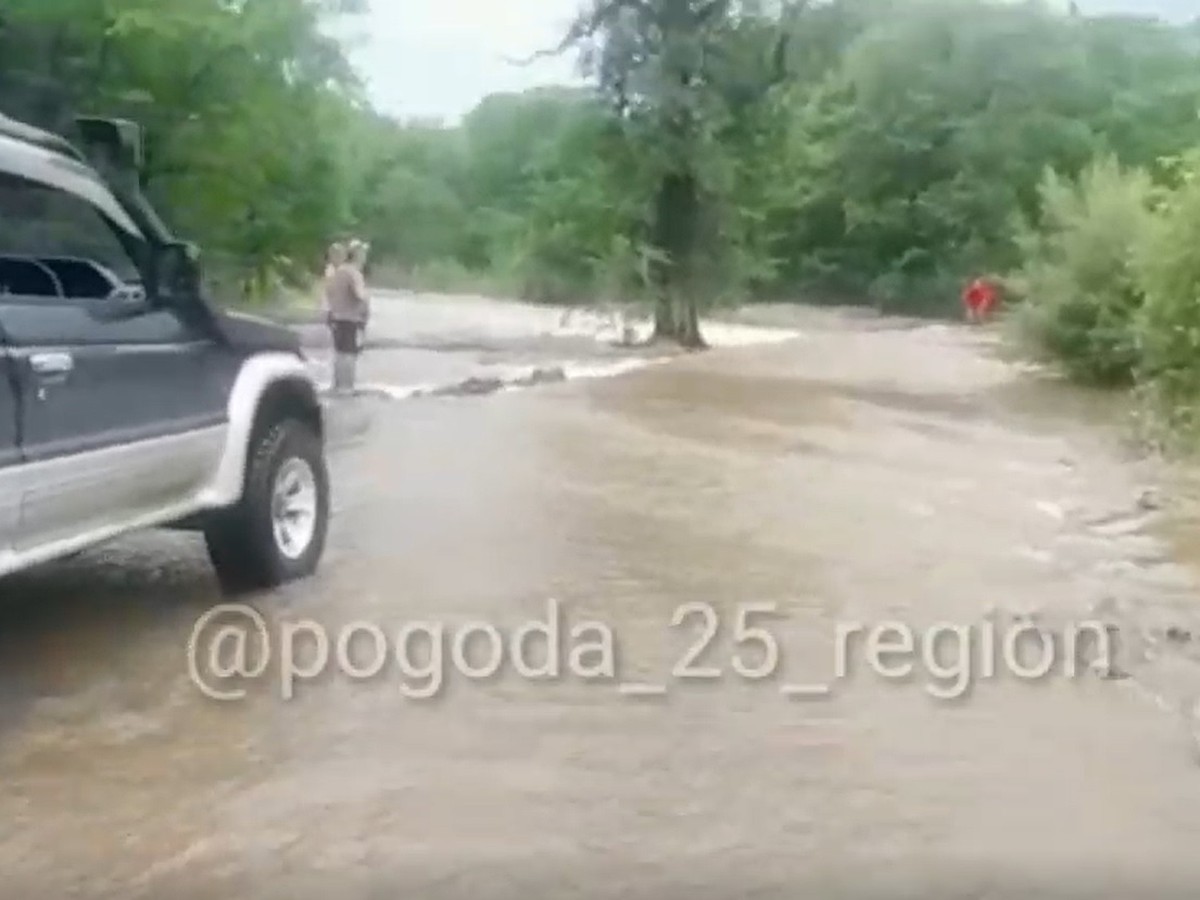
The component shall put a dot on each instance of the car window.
(40, 221)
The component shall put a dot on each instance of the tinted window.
(41, 221)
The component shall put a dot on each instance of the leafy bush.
(1079, 284)
(1168, 326)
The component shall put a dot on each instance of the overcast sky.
(438, 58)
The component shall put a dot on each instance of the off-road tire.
(241, 541)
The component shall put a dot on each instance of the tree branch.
(710, 9)
(586, 26)
(779, 61)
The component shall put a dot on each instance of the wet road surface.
(864, 472)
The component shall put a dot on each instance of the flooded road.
(862, 472)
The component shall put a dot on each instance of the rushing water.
(422, 345)
(843, 469)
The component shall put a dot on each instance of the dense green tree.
(242, 105)
(877, 150)
(665, 69)
(912, 156)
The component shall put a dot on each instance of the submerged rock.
(480, 386)
(1178, 635)
(471, 387)
(550, 375)
(1149, 500)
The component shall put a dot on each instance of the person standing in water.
(359, 252)
(348, 308)
(336, 252)
(979, 299)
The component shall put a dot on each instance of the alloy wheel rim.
(294, 507)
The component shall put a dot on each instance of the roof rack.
(10, 127)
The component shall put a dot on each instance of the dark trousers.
(345, 336)
(346, 348)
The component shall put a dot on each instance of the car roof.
(10, 127)
(34, 162)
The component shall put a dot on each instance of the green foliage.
(871, 150)
(579, 222)
(1169, 322)
(877, 151)
(1081, 291)
(1111, 287)
(243, 106)
(913, 155)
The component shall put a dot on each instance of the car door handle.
(52, 363)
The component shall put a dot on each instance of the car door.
(121, 418)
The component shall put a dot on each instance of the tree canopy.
(871, 150)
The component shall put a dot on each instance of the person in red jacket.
(979, 298)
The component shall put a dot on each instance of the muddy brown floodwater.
(865, 472)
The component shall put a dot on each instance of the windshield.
(41, 221)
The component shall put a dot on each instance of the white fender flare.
(257, 374)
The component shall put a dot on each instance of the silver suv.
(126, 400)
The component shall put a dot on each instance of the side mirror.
(115, 144)
(176, 272)
(123, 303)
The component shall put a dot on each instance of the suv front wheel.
(276, 533)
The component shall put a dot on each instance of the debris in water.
(1179, 635)
(481, 385)
(471, 387)
(1149, 500)
(1120, 523)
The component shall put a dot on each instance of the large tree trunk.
(664, 312)
(676, 213)
(688, 327)
(662, 268)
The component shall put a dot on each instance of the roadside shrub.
(1168, 325)
(1080, 291)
